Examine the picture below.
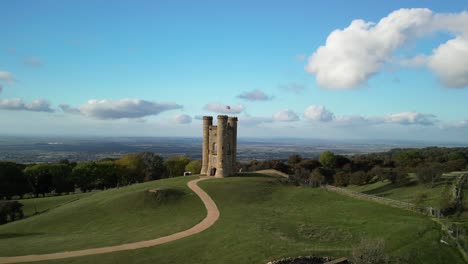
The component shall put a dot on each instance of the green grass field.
(104, 218)
(41, 205)
(410, 192)
(261, 220)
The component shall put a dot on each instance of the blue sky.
(154, 67)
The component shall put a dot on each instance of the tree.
(39, 178)
(293, 160)
(429, 173)
(12, 180)
(10, 209)
(152, 165)
(194, 166)
(341, 178)
(317, 177)
(358, 178)
(409, 158)
(328, 159)
(85, 176)
(176, 165)
(61, 178)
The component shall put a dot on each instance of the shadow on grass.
(381, 190)
(13, 235)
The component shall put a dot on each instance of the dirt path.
(211, 217)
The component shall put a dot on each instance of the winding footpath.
(211, 217)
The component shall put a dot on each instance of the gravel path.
(211, 217)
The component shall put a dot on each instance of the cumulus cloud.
(458, 124)
(224, 109)
(255, 95)
(7, 77)
(17, 104)
(68, 109)
(124, 108)
(408, 118)
(415, 62)
(296, 88)
(318, 113)
(33, 62)
(449, 62)
(352, 55)
(249, 120)
(285, 115)
(321, 114)
(182, 119)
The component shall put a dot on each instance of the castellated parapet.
(219, 146)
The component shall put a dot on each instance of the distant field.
(408, 193)
(261, 219)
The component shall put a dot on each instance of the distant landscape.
(23, 149)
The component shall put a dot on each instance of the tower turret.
(207, 122)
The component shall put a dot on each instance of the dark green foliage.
(12, 180)
(328, 159)
(429, 173)
(359, 178)
(341, 178)
(317, 177)
(293, 160)
(194, 166)
(175, 166)
(40, 179)
(10, 211)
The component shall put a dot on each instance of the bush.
(370, 252)
(10, 211)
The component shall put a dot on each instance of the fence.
(394, 203)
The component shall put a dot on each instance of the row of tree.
(66, 177)
(395, 165)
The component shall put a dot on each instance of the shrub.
(370, 252)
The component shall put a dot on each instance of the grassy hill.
(261, 219)
(410, 192)
(104, 218)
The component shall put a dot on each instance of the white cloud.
(17, 104)
(318, 113)
(249, 120)
(225, 109)
(255, 95)
(68, 109)
(414, 62)
(296, 88)
(7, 77)
(354, 54)
(449, 62)
(285, 115)
(182, 119)
(408, 118)
(124, 108)
(458, 124)
(321, 114)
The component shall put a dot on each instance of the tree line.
(395, 165)
(64, 176)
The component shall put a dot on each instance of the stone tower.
(219, 146)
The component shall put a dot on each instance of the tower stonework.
(219, 146)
